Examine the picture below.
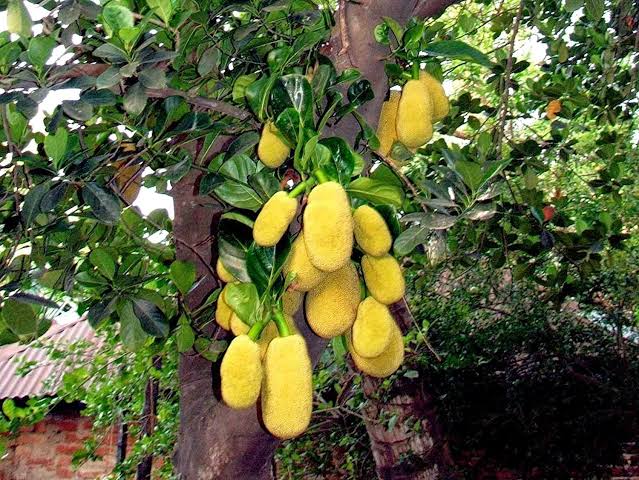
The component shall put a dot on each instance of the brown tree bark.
(215, 442)
(149, 414)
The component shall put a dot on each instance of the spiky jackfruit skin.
(386, 129)
(222, 273)
(238, 327)
(287, 387)
(271, 150)
(307, 276)
(331, 307)
(274, 218)
(385, 364)
(328, 227)
(441, 106)
(241, 373)
(292, 301)
(384, 278)
(371, 232)
(372, 328)
(223, 312)
(414, 115)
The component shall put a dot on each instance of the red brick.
(40, 427)
(32, 438)
(66, 425)
(66, 449)
(63, 472)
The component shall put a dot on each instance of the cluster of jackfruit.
(272, 364)
(409, 116)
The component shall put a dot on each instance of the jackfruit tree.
(306, 146)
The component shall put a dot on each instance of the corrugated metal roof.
(45, 377)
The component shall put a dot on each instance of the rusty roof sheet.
(46, 376)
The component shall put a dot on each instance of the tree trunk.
(405, 452)
(149, 413)
(215, 442)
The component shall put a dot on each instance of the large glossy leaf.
(131, 333)
(19, 317)
(410, 239)
(293, 91)
(105, 206)
(152, 319)
(243, 299)
(183, 275)
(342, 159)
(235, 189)
(377, 192)
(458, 50)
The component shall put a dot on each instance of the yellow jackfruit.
(274, 218)
(328, 227)
(223, 312)
(331, 307)
(385, 364)
(386, 130)
(268, 334)
(307, 276)
(371, 232)
(384, 278)
(272, 151)
(441, 106)
(372, 328)
(241, 373)
(238, 327)
(291, 301)
(287, 387)
(222, 273)
(414, 115)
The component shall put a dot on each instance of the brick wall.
(44, 451)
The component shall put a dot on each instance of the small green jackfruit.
(386, 129)
(272, 151)
(371, 232)
(385, 364)
(415, 115)
(372, 329)
(328, 227)
(241, 373)
(292, 301)
(274, 218)
(384, 278)
(441, 106)
(222, 273)
(287, 387)
(307, 276)
(238, 327)
(223, 312)
(331, 307)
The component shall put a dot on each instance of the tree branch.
(431, 8)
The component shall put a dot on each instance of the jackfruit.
(241, 373)
(331, 307)
(238, 327)
(372, 328)
(306, 275)
(291, 301)
(384, 278)
(270, 332)
(371, 232)
(287, 387)
(386, 130)
(385, 364)
(328, 227)
(222, 273)
(223, 312)
(272, 151)
(274, 218)
(414, 115)
(441, 106)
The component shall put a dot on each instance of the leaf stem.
(301, 187)
(280, 322)
(321, 176)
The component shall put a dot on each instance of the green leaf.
(32, 201)
(55, 146)
(131, 333)
(19, 317)
(111, 53)
(40, 49)
(293, 91)
(107, 79)
(100, 311)
(153, 78)
(240, 85)
(377, 192)
(105, 206)
(78, 109)
(573, 5)
(18, 18)
(233, 256)
(117, 16)
(470, 172)
(257, 95)
(135, 99)
(458, 50)
(243, 299)
(162, 8)
(184, 335)
(209, 62)
(342, 159)
(595, 9)
(235, 190)
(103, 261)
(152, 319)
(409, 239)
(183, 275)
